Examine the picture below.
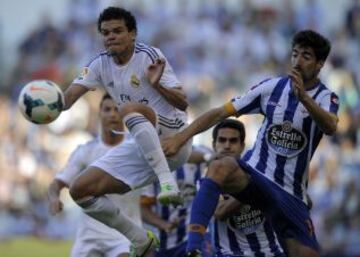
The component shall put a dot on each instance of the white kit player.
(151, 104)
(94, 238)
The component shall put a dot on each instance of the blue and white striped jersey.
(288, 136)
(245, 234)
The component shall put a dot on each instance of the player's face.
(109, 116)
(228, 142)
(117, 39)
(304, 60)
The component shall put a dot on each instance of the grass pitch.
(33, 247)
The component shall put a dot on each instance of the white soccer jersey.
(288, 136)
(246, 233)
(90, 228)
(128, 83)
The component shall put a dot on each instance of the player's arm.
(226, 208)
(55, 204)
(152, 218)
(326, 121)
(202, 123)
(174, 95)
(73, 93)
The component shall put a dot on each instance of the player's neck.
(124, 57)
(310, 84)
(110, 138)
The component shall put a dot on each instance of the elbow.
(183, 105)
(330, 130)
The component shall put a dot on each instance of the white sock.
(148, 141)
(104, 210)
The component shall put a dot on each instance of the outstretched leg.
(89, 190)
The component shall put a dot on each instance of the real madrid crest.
(134, 81)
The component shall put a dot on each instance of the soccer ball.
(41, 101)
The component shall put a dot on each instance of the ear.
(133, 35)
(320, 64)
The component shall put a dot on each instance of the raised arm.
(202, 123)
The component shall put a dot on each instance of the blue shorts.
(290, 217)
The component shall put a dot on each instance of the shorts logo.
(285, 140)
(134, 81)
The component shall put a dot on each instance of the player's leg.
(223, 174)
(141, 121)
(89, 190)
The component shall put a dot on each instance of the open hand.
(155, 71)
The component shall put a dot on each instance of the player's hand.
(170, 146)
(155, 71)
(297, 84)
(55, 206)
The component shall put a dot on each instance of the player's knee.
(138, 108)
(219, 170)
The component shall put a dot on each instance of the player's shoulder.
(97, 57)
(89, 145)
(147, 51)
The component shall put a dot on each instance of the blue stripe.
(152, 58)
(216, 239)
(302, 162)
(275, 96)
(274, 247)
(180, 173)
(292, 104)
(181, 231)
(96, 57)
(255, 245)
(251, 106)
(234, 245)
(151, 49)
(165, 214)
(197, 176)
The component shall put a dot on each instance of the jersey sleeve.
(330, 102)
(168, 79)
(89, 76)
(73, 167)
(250, 102)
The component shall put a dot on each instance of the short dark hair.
(310, 38)
(105, 97)
(117, 13)
(230, 123)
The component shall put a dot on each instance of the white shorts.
(99, 248)
(125, 162)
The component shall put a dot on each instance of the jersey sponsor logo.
(246, 220)
(134, 81)
(285, 140)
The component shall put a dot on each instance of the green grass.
(33, 247)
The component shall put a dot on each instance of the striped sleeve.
(250, 103)
(330, 102)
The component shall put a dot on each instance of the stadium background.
(218, 49)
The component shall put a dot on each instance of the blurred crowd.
(218, 49)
